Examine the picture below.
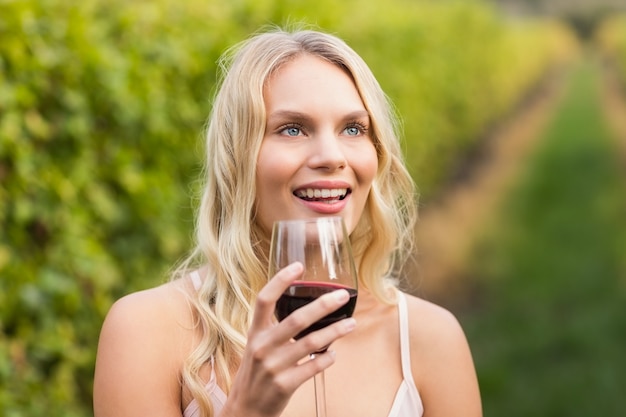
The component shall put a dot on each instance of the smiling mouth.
(322, 194)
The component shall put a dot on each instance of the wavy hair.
(229, 244)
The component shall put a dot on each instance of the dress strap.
(212, 378)
(195, 279)
(405, 348)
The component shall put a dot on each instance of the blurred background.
(514, 130)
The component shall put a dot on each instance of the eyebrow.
(296, 115)
(287, 114)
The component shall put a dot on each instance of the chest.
(363, 381)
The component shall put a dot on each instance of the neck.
(366, 302)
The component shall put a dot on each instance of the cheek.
(272, 178)
(366, 166)
(275, 167)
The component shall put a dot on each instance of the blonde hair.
(228, 241)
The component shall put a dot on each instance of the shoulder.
(144, 341)
(441, 360)
(435, 333)
(430, 320)
(150, 312)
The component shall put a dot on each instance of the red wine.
(302, 293)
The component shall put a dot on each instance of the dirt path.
(450, 225)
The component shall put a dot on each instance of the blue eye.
(352, 131)
(355, 129)
(291, 131)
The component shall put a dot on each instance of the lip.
(326, 204)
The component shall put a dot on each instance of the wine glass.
(322, 245)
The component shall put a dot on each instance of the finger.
(316, 342)
(269, 294)
(320, 340)
(309, 314)
(297, 375)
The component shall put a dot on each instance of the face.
(317, 157)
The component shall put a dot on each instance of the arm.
(444, 368)
(139, 357)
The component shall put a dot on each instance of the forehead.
(313, 76)
(298, 58)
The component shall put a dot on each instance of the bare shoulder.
(143, 344)
(154, 312)
(431, 322)
(441, 361)
(435, 333)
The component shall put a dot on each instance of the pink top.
(217, 396)
(407, 402)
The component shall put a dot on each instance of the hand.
(271, 370)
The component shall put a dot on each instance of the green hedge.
(453, 69)
(102, 106)
(611, 39)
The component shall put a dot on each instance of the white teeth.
(321, 193)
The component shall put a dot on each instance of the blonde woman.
(299, 128)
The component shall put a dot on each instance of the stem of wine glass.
(320, 393)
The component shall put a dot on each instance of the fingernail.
(341, 295)
(349, 324)
(294, 267)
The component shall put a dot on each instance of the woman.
(299, 128)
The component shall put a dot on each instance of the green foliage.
(453, 69)
(611, 38)
(102, 105)
(550, 335)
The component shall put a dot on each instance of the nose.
(327, 152)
